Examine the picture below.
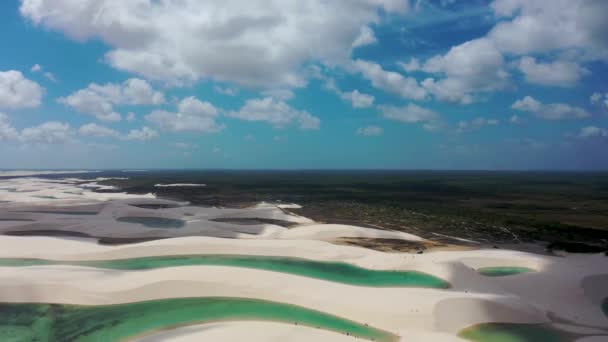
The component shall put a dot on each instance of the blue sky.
(389, 84)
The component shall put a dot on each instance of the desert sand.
(564, 293)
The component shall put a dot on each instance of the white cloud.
(143, 134)
(515, 119)
(16, 91)
(36, 68)
(51, 132)
(195, 107)
(131, 117)
(183, 145)
(366, 37)
(593, 131)
(599, 99)
(192, 115)
(390, 81)
(370, 131)
(536, 26)
(279, 94)
(253, 43)
(413, 114)
(474, 66)
(226, 91)
(89, 102)
(356, 98)
(412, 65)
(557, 73)
(552, 111)
(50, 76)
(475, 124)
(99, 100)
(276, 112)
(96, 130)
(7, 132)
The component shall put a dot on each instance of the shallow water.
(333, 271)
(153, 222)
(503, 271)
(58, 212)
(58, 323)
(514, 332)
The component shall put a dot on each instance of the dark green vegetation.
(493, 208)
(154, 222)
(333, 271)
(514, 332)
(503, 271)
(63, 323)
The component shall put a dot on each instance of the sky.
(314, 84)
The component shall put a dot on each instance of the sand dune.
(563, 293)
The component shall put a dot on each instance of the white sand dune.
(475, 298)
(565, 292)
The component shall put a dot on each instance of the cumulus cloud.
(515, 119)
(599, 99)
(275, 112)
(390, 81)
(7, 131)
(95, 130)
(253, 43)
(412, 65)
(16, 91)
(99, 100)
(356, 98)
(475, 124)
(52, 132)
(226, 91)
(552, 111)
(279, 94)
(366, 37)
(192, 115)
(143, 134)
(557, 73)
(593, 132)
(473, 66)
(413, 114)
(370, 131)
(131, 117)
(536, 26)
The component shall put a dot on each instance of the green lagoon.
(62, 323)
(503, 271)
(514, 332)
(332, 271)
